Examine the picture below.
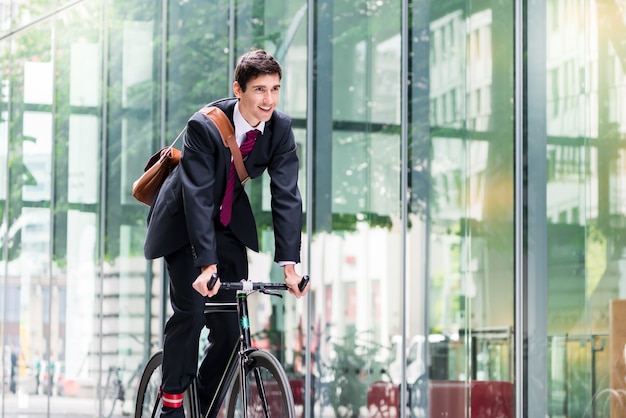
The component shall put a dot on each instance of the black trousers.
(182, 330)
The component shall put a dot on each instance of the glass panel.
(36, 153)
(199, 49)
(9, 289)
(291, 51)
(585, 210)
(15, 14)
(83, 148)
(38, 82)
(77, 171)
(6, 13)
(356, 246)
(131, 286)
(86, 73)
(32, 338)
(470, 326)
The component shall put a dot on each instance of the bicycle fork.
(243, 386)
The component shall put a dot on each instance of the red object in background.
(489, 399)
(350, 305)
(297, 389)
(493, 399)
(383, 399)
(447, 398)
(70, 387)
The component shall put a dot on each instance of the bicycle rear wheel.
(268, 391)
(148, 404)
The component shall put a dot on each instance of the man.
(191, 225)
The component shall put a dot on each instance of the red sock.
(172, 400)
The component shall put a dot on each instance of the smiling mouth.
(266, 109)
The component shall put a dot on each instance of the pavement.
(24, 405)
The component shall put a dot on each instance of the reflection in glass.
(586, 248)
(356, 249)
(471, 208)
(80, 303)
(85, 74)
(83, 149)
(36, 151)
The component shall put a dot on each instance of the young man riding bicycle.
(199, 232)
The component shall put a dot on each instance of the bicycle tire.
(148, 403)
(262, 370)
(111, 393)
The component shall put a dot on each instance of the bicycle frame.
(245, 342)
(244, 362)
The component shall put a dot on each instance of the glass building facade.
(463, 168)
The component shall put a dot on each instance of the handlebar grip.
(213, 280)
(303, 283)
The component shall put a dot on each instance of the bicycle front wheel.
(267, 389)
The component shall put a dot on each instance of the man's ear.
(237, 90)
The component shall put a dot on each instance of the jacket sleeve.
(286, 201)
(198, 162)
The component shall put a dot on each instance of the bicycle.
(113, 391)
(117, 391)
(254, 377)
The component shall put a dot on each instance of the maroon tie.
(227, 203)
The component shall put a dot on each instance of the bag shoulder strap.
(177, 137)
(219, 118)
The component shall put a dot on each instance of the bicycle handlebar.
(247, 285)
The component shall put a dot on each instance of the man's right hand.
(201, 284)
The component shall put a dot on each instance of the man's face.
(258, 102)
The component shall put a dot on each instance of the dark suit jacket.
(188, 204)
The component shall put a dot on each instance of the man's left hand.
(293, 279)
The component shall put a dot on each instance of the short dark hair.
(254, 63)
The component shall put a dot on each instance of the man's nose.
(268, 97)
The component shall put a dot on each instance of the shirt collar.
(242, 126)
